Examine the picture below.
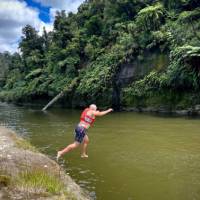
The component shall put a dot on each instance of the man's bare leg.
(67, 149)
(84, 147)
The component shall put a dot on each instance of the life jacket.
(86, 118)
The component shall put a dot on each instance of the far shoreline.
(164, 110)
(195, 111)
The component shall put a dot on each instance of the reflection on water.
(131, 156)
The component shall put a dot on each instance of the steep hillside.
(124, 52)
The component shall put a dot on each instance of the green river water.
(132, 156)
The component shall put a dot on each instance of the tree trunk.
(67, 89)
(53, 100)
(116, 101)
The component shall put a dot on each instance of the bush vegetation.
(92, 45)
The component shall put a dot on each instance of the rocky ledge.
(28, 174)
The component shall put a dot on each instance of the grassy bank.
(27, 174)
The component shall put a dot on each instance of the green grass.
(34, 182)
(23, 144)
(4, 180)
(5, 177)
(39, 182)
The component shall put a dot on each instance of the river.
(132, 156)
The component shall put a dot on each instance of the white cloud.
(67, 5)
(8, 46)
(58, 5)
(14, 15)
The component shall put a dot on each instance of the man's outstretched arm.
(101, 113)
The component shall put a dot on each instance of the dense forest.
(124, 53)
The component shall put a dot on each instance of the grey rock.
(181, 112)
(197, 107)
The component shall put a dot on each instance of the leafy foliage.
(94, 45)
(182, 76)
(151, 17)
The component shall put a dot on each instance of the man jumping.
(86, 120)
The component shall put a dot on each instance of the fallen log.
(66, 89)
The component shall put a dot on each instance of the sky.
(15, 14)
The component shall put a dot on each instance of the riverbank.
(193, 111)
(28, 174)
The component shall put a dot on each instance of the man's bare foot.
(84, 156)
(58, 155)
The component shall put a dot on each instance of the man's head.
(93, 107)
